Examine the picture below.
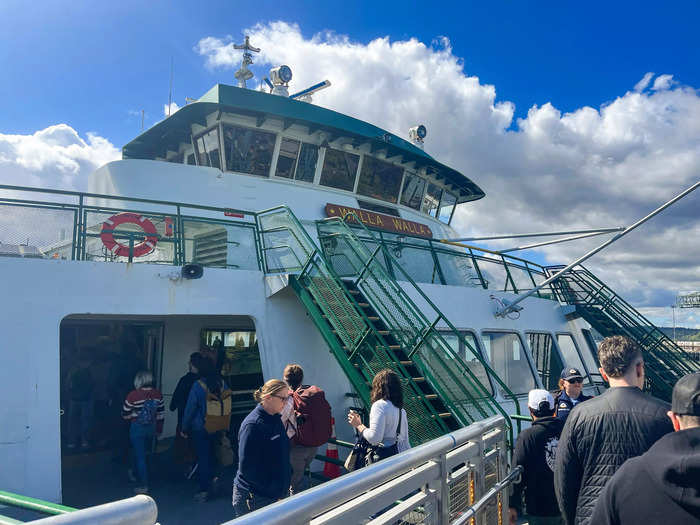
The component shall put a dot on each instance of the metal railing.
(70, 225)
(138, 510)
(435, 483)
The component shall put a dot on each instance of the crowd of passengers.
(277, 440)
(621, 457)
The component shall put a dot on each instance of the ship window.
(431, 200)
(207, 147)
(507, 357)
(447, 204)
(248, 150)
(306, 166)
(177, 158)
(412, 193)
(287, 160)
(298, 156)
(380, 180)
(386, 210)
(339, 169)
(546, 359)
(190, 159)
(469, 353)
(572, 357)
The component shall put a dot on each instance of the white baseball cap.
(535, 397)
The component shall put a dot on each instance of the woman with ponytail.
(263, 452)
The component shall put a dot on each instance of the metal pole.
(557, 241)
(139, 510)
(539, 234)
(502, 312)
(673, 309)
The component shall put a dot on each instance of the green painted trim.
(33, 504)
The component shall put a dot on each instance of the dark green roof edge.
(229, 99)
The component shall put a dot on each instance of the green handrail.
(389, 257)
(25, 502)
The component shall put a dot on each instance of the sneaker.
(140, 490)
(192, 471)
(130, 474)
(201, 497)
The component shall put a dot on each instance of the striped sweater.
(134, 402)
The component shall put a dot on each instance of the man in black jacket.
(662, 485)
(601, 434)
(535, 450)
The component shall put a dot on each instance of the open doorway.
(98, 362)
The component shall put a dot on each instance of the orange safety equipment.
(331, 470)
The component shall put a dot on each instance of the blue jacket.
(565, 405)
(196, 408)
(263, 455)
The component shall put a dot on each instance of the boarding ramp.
(138, 510)
(609, 314)
(441, 392)
(460, 478)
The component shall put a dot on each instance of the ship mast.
(244, 74)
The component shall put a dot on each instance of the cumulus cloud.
(169, 110)
(55, 157)
(593, 167)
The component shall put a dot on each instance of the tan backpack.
(218, 414)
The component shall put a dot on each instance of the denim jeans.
(202, 445)
(141, 436)
(81, 413)
(245, 501)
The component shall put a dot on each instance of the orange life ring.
(143, 248)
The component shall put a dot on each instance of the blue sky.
(569, 116)
(89, 63)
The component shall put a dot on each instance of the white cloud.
(55, 157)
(644, 83)
(662, 82)
(167, 111)
(588, 168)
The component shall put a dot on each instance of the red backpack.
(313, 416)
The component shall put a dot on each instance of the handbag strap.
(398, 427)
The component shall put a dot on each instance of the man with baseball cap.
(662, 485)
(535, 450)
(570, 392)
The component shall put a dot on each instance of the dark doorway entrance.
(98, 362)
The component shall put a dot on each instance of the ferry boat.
(276, 231)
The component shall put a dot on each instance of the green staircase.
(359, 322)
(609, 314)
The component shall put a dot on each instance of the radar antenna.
(244, 74)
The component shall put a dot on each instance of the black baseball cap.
(686, 396)
(571, 373)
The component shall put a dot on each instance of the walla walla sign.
(380, 221)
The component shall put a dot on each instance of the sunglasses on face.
(575, 380)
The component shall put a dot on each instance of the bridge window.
(571, 356)
(431, 200)
(248, 150)
(207, 148)
(447, 205)
(297, 160)
(380, 180)
(508, 359)
(339, 169)
(413, 188)
(546, 358)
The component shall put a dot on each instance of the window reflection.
(546, 359)
(380, 180)
(339, 169)
(207, 148)
(287, 159)
(572, 357)
(447, 204)
(248, 150)
(508, 360)
(412, 194)
(469, 354)
(431, 200)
